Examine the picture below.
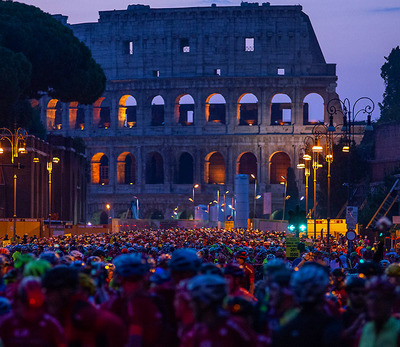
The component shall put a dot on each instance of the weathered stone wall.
(283, 39)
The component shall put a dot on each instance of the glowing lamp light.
(56, 160)
(346, 149)
(307, 157)
(36, 160)
(1, 150)
(301, 166)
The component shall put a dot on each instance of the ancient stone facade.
(195, 96)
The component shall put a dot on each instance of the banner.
(267, 203)
(291, 247)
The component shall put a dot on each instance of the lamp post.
(17, 140)
(108, 207)
(304, 163)
(284, 197)
(255, 194)
(325, 132)
(54, 160)
(350, 113)
(194, 187)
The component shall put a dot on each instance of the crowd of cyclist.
(197, 287)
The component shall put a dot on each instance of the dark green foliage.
(390, 72)
(38, 54)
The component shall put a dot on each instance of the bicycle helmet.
(37, 268)
(210, 269)
(5, 306)
(310, 283)
(355, 281)
(61, 277)
(160, 276)
(132, 264)
(234, 270)
(208, 289)
(393, 270)
(184, 259)
(382, 285)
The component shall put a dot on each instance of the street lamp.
(108, 207)
(17, 140)
(255, 194)
(350, 114)
(284, 182)
(50, 163)
(304, 163)
(194, 187)
(324, 132)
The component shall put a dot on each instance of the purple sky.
(354, 34)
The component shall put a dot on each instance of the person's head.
(37, 268)
(234, 274)
(338, 277)
(130, 267)
(271, 267)
(310, 284)
(279, 287)
(184, 263)
(241, 257)
(207, 293)
(355, 289)
(393, 273)
(60, 284)
(380, 298)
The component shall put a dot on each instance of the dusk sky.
(354, 34)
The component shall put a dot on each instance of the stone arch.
(214, 171)
(155, 214)
(281, 109)
(313, 109)
(184, 110)
(154, 168)
(97, 111)
(99, 169)
(247, 109)
(278, 165)
(216, 108)
(185, 169)
(247, 164)
(76, 115)
(127, 108)
(157, 111)
(54, 114)
(126, 168)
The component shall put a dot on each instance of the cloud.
(386, 9)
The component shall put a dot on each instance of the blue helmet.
(184, 259)
(132, 264)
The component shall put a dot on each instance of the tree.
(46, 58)
(390, 72)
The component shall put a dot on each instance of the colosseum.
(195, 96)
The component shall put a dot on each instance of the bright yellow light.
(1, 150)
(56, 160)
(35, 160)
(108, 206)
(252, 176)
(301, 166)
(346, 149)
(317, 149)
(21, 149)
(307, 157)
(196, 186)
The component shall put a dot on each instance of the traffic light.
(297, 221)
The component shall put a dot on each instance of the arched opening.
(214, 171)
(103, 217)
(281, 110)
(184, 110)
(97, 111)
(76, 116)
(313, 109)
(154, 169)
(127, 112)
(99, 169)
(185, 170)
(157, 111)
(216, 109)
(247, 165)
(247, 110)
(156, 214)
(278, 165)
(54, 114)
(126, 168)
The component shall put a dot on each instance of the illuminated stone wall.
(239, 54)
